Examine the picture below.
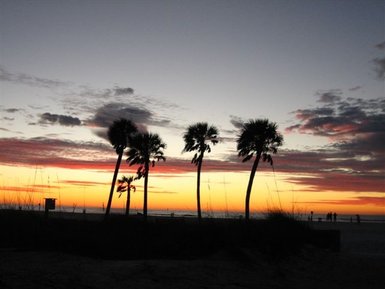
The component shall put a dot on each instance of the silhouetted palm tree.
(198, 138)
(145, 149)
(125, 185)
(259, 137)
(119, 135)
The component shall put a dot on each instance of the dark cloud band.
(65, 120)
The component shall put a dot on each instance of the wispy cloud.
(381, 45)
(357, 201)
(12, 110)
(43, 186)
(55, 153)
(354, 159)
(94, 107)
(379, 67)
(333, 171)
(379, 62)
(108, 113)
(88, 155)
(336, 170)
(355, 88)
(179, 166)
(123, 91)
(230, 135)
(19, 189)
(342, 119)
(104, 93)
(329, 96)
(83, 99)
(236, 121)
(83, 183)
(65, 120)
(30, 80)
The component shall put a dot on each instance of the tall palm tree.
(145, 149)
(198, 137)
(258, 137)
(119, 135)
(125, 185)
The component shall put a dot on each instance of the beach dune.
(358, 264)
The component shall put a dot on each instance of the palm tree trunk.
(117, 166)
(128, 200)
(250, 185)
(198, 188)
(146, 167)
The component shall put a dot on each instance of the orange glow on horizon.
(220, 192)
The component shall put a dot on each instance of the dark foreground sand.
(359, 264)
(364, 239)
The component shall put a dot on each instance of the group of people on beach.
(331, 217)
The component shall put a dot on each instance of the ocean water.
(221, 214)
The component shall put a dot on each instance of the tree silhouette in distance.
(125, 185)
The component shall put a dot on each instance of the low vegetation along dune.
(278, 252)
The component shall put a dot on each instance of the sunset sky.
(316, 68)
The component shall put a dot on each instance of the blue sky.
(209, 58)
(68, 66)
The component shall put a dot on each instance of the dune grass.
(120, 237)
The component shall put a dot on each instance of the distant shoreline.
(98, 214)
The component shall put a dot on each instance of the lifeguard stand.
(49, 204)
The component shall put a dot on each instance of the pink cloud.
(358, 201)
(335, 169)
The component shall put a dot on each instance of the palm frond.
(120, 133)
(197, 137)
(259, 136)
(145, 148)
(248, 157)
(124, 185)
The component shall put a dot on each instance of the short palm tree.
(145, 149)
(198, 137)
(125, 185)
(260, 138)
(119, 135)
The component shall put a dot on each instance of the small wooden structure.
(49, 204)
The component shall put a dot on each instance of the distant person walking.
(358, 218)
(335, 217)
(329, 217)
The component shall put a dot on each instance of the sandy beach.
(359, 264)
(365, 239)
